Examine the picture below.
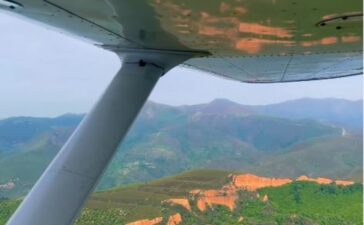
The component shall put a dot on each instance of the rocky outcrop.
(175, 219)
(154, 221)
(319, 180)
(344, 182)
(305, 178)
(212, 198)
(228, 195)
(322, 180)
(224, 197)
(184, 202)
(251, 182)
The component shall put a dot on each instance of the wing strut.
(60, 193)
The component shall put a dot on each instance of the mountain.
(343, 113)
(219, 197)
(328, 157)
(27, 145)
(18, 132)
(166, 140)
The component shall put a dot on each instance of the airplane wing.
(258, 41)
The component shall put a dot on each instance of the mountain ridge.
(220, 134)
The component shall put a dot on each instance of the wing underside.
(258, 41)
(289, 68)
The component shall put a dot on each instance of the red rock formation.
(344, 182)
(305, 178)
(228, 194)
(252, 182)
(179, 201)
(225, 197)
(319, 180)
(154, 221)
(175, 219)
(322, 180)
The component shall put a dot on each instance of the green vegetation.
(147, 198)
(322, 204)
(167, 140)
(333, 157)
(297, 203)
(137, 202)
(304, 203)
(7, 207)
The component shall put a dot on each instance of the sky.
(46, 73)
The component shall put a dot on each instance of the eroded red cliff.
(228, 195)
(175, 219)
(184, 202)
(251, 182)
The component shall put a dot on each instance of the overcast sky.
(45, 73)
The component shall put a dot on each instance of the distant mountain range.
(315, 137)
(347, 114)
(339, 112)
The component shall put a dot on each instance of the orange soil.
(184, 202)
(319, 180)
(344, 182)
(175, 219)
(228, 201)
(227, 195)
(252, 182)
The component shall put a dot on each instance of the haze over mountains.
(340, 112)
(314, 137)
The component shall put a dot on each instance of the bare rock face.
(305, 178)
(184, 202)
(154, 221)
(319, 180)
(175, 219)
(322, 180)
(224, 197)
(251, 182)
(344, 182)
